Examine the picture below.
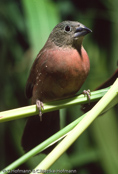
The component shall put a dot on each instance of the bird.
(58, 72)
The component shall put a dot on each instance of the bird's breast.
(62, 73)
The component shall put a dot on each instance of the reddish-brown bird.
(58, 71)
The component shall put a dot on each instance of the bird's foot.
(88, 94)
(40, 106)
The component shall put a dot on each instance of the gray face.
(68, 33)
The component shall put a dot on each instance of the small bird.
(59, 71)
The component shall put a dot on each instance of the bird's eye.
(67, 28)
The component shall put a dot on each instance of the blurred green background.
(24, 28)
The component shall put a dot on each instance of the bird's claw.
(40, 106)
(88, 94)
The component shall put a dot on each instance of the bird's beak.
(81, 31)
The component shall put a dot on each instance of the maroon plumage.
(59, 71)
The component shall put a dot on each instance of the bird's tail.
(37, 131)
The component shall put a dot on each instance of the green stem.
(78, 130)
(51, 106)
(42, 146)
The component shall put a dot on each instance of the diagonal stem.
(78, 130)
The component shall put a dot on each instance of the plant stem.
(42, 146)
(78, 130)
(51, 106)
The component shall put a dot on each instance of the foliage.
(24, 28)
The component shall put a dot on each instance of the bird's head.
(69, 34)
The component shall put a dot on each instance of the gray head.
(69, 33)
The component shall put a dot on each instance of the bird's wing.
(31, 80)
(33, 73)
